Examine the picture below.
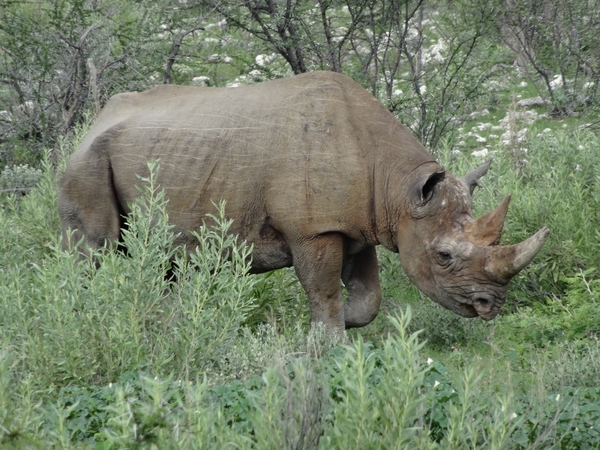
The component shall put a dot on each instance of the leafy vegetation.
(159, 349)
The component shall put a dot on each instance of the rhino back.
(294, 157)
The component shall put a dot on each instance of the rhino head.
(456, 260)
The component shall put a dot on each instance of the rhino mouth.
(467, 311)
(481, 306)
(480, 303)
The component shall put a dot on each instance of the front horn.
(505, 262)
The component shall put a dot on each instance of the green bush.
(567, 420)
(19, 178)
(281, 302)
(572, 364)
(376, 398)
(574, 315)
(70, 321)
(444, 330)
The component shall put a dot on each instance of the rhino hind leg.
(318, 264)
(360, 275)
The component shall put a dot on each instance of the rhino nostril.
(483, 305)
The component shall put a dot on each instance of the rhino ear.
(471, 179)
(426, 186)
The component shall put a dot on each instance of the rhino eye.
(444, 258)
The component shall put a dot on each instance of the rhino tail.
(87, 203)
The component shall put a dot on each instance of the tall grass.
(350, 397)
(161, 348)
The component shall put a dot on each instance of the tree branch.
(175, 51)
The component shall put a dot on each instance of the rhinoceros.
(315, 173)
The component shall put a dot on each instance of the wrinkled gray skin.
(315, 173)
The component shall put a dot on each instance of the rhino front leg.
(360, 275)
(318, 264)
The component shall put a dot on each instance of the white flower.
(200, 80)
(556, 82)
(262, 60)
(513, 416)
(480, 154)
(436, 384)
(429, 361)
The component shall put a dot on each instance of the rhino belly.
(270, 250)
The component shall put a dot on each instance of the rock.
(531, 102)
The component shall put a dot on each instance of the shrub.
(572, 364)
(445, 330)
(69, 321)
(19, 179)
(387, 397)
(554, 47)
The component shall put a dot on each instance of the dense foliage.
(114, 353)
(432, 63)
